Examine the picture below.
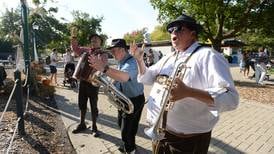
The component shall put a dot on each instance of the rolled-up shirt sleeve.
(220, 83)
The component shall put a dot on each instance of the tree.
(51, 33)
(221, 19)
(136, 35)
(85, 26)
(10, 25)
(160, 33)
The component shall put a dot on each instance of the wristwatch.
(106, 68)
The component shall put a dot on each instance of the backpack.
(48, 60)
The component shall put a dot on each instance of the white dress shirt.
(206, 70)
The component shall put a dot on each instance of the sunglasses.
(175, 29)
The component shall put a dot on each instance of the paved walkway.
(249, 129)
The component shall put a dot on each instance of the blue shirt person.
(125, 77)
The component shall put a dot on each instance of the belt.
(182, 135)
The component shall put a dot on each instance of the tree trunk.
(217, 44)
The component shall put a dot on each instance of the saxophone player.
(125, 77)
(205, 89)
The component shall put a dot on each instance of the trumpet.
(156, 131)
(117, 98)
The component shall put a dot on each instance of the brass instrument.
(117, 98)
(155, 132)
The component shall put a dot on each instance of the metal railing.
(17, 92)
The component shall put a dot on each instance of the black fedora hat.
(186, 20)
(118, 43)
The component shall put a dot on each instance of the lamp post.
(25, 31)
(34, 51)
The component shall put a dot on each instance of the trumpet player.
(86, 89)
(125, 77)
(205, 89)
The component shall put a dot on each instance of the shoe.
(79, 128)
(96, 133)
(122, 149)
(132, 152)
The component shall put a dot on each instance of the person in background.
(125, 77)
(52, 66)
(205, 89)
(68, 60)
(3, 76)
(67, 57)
(246, 60)
(150, 57)
(260, 67)
(242, 62)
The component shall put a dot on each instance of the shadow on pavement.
(251, 84)
(71, 111)
(221, 147)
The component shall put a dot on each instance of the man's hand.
(136, 52)
(179, 90)
(97, 61)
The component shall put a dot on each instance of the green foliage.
(256, 40)
(220, 19)
(160, 33)
(10, 25)
(85, 25)
(136, 36)
(51, 32)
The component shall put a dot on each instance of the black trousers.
(88, 91)
(172, 144)
(129, 123)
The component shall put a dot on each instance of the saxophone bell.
(117, 98)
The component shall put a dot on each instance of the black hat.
(118, 43)
(188, 21)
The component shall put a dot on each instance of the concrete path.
(249, 129)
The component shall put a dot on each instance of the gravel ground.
(44, 131)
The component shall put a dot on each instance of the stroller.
(68, 79)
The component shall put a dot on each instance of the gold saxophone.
(117, 98)
(155, 132)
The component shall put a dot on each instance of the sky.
(120, 16)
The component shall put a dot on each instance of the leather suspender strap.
(165, 112)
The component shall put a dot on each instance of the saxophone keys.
(169, 106)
